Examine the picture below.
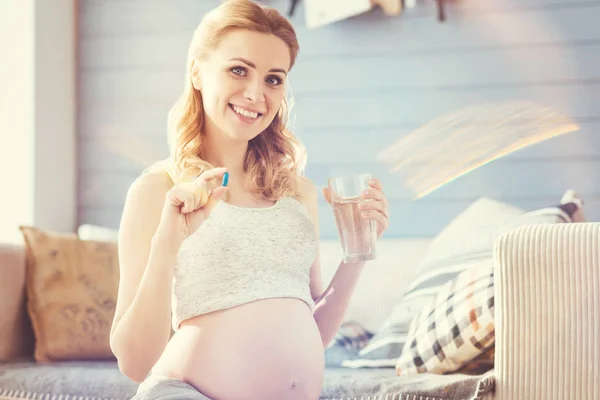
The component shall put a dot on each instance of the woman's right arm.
(142, 323)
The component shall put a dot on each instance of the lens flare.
(455, 144)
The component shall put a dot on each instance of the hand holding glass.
(358, 236)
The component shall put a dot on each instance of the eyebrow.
(252, 65)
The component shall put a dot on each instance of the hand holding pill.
(188, 204)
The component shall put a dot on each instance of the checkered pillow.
(454, 328)
(348, 341)
(351, 336)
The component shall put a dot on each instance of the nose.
(254, 91)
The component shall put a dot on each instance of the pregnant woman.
(220, 241)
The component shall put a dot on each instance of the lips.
(245, 112)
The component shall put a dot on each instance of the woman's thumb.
(218, 192)
(215, 196)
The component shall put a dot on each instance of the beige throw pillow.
(72, 289)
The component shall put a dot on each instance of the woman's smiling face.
(242, 83)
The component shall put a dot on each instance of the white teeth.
(245, 113)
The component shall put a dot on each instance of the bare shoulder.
(308, 195)
(307, 190)
(150, 184)
(145, 200)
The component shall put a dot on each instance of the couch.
(547, 295)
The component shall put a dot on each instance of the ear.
(195, 75)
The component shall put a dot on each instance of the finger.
(375, 194)
(183, 200)
(190, 203)
(327, 194)
(372, 194)
(176, 197)
(377, 216)
(215, 196)
(209, 175)
(374, 205)
(375, 183)
(199, 194)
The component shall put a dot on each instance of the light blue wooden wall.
(359, 85)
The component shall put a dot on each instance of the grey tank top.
(239, 255)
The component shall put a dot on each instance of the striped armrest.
(548, 312)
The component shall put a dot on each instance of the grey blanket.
(383, 384)
(103, 381)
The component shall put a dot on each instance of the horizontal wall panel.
(515, 67)
(347, 145)
(103, 151)
(420, 32)
(420, 106)
(368, 108)
(117, 155)
(497, 179)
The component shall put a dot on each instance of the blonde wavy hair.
(275, 158)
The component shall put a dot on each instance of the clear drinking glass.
(358, 236)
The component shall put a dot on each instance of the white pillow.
(97, 233)
(383, 281)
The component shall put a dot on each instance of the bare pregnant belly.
(268, 349)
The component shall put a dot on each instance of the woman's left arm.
(332, 302)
